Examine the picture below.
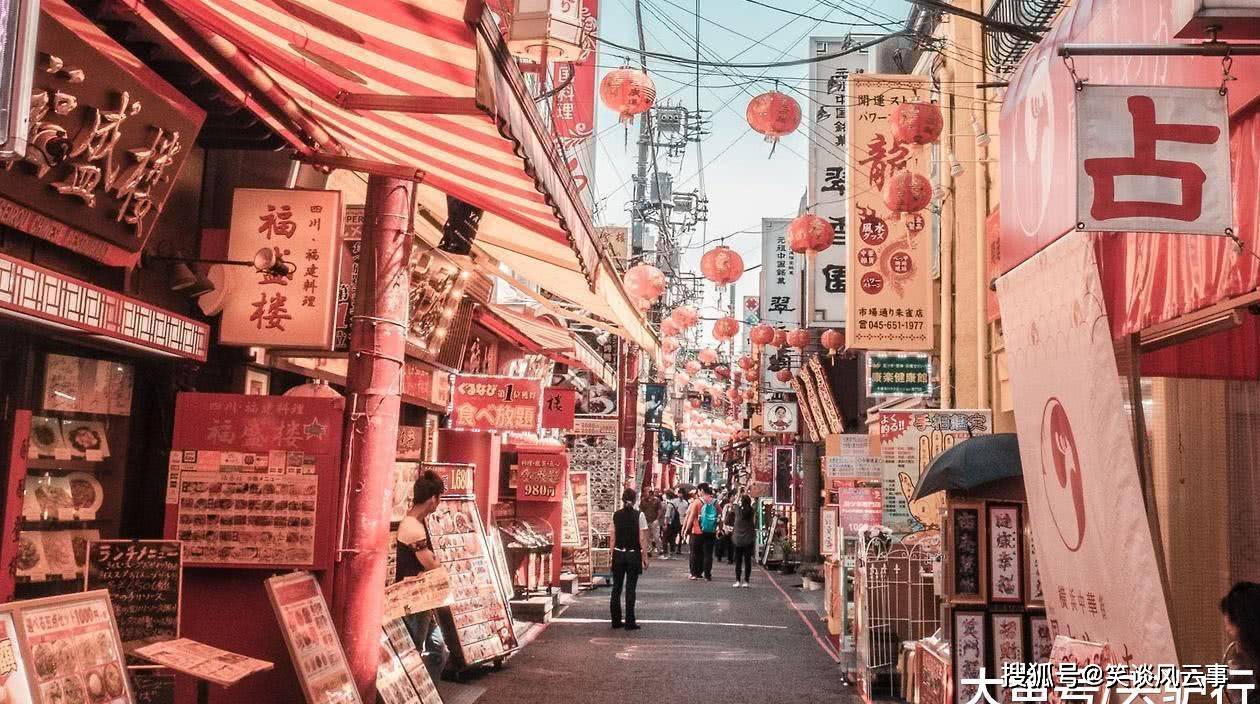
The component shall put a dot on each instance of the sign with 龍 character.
(291, 300)
(499, 403)
(1153, 160)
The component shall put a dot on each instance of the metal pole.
(638, 224)
(373, 387)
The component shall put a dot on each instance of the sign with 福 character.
(890, 301)
(1153, 160)
(291, 302)
(497, 403)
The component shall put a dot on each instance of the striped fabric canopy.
(412, 88)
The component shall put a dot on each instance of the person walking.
(651, 507)
(701, 524)
(743, 540)
(671, 524)
(630, 558)
(414, 552)
(680, 506)
(726, 510)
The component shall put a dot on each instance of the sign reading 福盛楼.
(898, 375)
(292, 301)
(496, 403)
(890, 301)
(1153, 160)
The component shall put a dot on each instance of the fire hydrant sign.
(1153, 160)
(290, 302)
(890, 300)
(499, 403)
(540, 476)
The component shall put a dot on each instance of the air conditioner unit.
(1234, 20)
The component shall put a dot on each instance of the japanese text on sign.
(496, 403)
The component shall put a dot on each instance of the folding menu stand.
(205, 663)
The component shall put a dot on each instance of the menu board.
(15, 677)
(144, 578)
(405, 476)
(153, 687)
(480, 615)
(249, 478)
(399, 640)
(203, 661)
(426, 591)
(313, 643)
(74, 649)
(393, 685)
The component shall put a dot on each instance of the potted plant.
(811, 578)
(789, 557)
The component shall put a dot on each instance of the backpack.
(728, 515)
(674, 521)
(709, 517)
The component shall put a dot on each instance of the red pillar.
(373, 385)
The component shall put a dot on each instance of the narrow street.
(699, 640)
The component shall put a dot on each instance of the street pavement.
(700, 641)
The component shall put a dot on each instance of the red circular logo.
(900, 263)
(872, 282)
(867, 256)
(873, 230)
(915, 222)
(1061, 475)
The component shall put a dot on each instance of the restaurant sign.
(106, 142)
(898, 374)
(559, 405)
(541, 476)
(496, 403)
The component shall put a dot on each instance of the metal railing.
(1004, 51)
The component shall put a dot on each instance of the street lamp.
(546, 30)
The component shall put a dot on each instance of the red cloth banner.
(573, 108)
(540, 476)
(500, 403)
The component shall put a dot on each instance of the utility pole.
(638, 223)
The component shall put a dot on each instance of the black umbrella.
(971, 463)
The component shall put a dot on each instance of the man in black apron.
(415, 555)
(629, 559)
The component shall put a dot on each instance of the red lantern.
(774, 115)
(669, 345)
(810, 234)
(693, 366)
(707, 355)
(669, 327)
(783, 375)
(725, 328)
(746, 362)
(681, 379)
(684, 317)
(627, 92)
(916, 123)
(722, 266)
(645, 281)
(906, 192)
(761, 334)
(750, 395)
(780, 339)
(723, 371)
(833, 340)
(694, 402)
(798, 338)
(732, 395)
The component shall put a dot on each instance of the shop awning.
(541, 336)
(414, 89)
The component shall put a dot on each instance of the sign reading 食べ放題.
(496, 403)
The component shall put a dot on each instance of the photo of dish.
(85, 437)
(72, 691)
(59, 552)
(46, 437)
(30, 555)
(86, 494)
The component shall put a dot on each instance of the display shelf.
(45, 464)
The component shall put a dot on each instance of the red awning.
(541, 336)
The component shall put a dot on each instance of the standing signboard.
(780, 288)
(204, 662)
(1153, 160)
(829, 525)
(496, 403)
(578, 557)
(890, 305)
(144, 579)
(1085, 502)
(50, 626)
(288, 299)
(909, 441)
(313, 643)
(541, 476)
(828, 115)
(274, 460)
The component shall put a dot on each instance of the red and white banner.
(573, 108)
(1085, 503)
(496, 403)
(1153, 160)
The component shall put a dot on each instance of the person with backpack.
(671, 524)
(702, 524)
(726, 510)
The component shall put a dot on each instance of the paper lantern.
(774, 115)
(833, 341)
(693, 366)
(780, 339)
(761, 334)
(684, 317)
(810, 234)
(725, 328)
(641, 304)
(798, 338)
(645, 281)
(693, 402)
(906, 192)
(627, 92)
(669, 327)
(732, 395)
(708, 355)
(750, 395)
(722, 371)
(916, 123)
(681, 379)
(783, 375)
(669, 345)
(746, 362)
(722, 266)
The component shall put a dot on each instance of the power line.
(777, 64)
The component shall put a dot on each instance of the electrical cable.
(777, 64)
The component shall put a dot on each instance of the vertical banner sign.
(909, 441)
(828, 156)
(780, 288)
(750, 315)
(654, 398)
(348, 275)
(890, 305)
(1085, 503)
(288, 299)
(573, 108)
(1153, 160)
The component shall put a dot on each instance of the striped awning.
(542, 336)
(415, 89)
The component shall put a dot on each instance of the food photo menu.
(75, 651)
(479, 612)
(313, 643)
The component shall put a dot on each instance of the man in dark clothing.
(414, 552)
(629, 558)
(651, 507)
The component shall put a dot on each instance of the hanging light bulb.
(955, 168)
(982, 137)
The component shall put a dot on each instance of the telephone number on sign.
(891, 325)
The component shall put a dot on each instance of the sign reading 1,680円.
(480, 402)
